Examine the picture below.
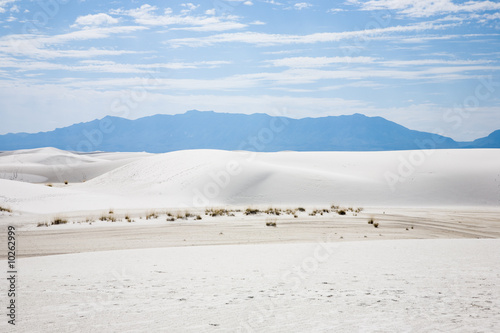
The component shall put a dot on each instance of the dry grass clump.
(4, 209)
(43, 224)
(151, 215)
(58, 220)
(273, 211)
(107, 218)
(218, 212)
(251, 211)
(271, 223)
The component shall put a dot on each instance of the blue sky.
(428, 65)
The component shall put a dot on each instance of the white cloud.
(302, 5)
(4, 4)
(258, 23)
(189, 8)
(265, 39)
(95, 20)
(335, 10)
(248, 3)
(425, 8)
(147, 15)
(14, 9)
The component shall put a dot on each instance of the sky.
(428, 65)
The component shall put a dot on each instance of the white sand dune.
(385, 286)
(309, 274)
(212, 178)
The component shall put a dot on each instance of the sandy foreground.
(432, 264)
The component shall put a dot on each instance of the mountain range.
(256, 132)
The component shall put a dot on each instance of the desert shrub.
(42, 224)
(4, 209)
(170, 219)
(198, 217)
(111, 211)
(251, 211)
(273, 211)
(59, 220)
(65, 182)
(341, 212)
(375, 224)
(49, 185)
(151, 215)
(301, 209)
(217, 212)
(107, 218)
(370, 221)
(271, 224)
(359, 210)
(180, 217)
(334, 207)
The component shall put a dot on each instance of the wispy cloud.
(43, 46)
(311, 62)
(266, 39)
(426, 8)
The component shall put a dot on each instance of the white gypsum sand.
(422, 269)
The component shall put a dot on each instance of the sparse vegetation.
(151, 215)
(375, 224)
(59, 220)
(272, 211)
(251, 211)
(65, 182)
(370, 221)
(271, 223)
(4, 209)
(111, 211)
(49, 185)
(301, 209)
(341, 212)
(107, 218)
(198, 217)
(170, 219)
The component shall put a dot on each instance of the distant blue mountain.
(256, 132)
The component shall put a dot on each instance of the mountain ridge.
(231, 131)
